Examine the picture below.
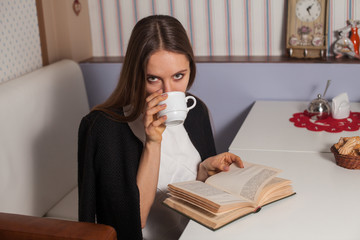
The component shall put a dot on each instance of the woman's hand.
(154, 126)
(218, 163)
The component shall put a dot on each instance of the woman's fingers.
(154, 125)
(151, 115)
(152, 108)
(153, 95)
(224, 160)
(239, 162)
(153, 99)
(218, 163)
(232, 158)
(158, 121)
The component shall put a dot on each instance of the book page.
(208, 219)
(246, 182)
(206, 191)
(276, 188)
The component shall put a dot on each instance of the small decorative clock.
(306, 35)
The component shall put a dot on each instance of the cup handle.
(194, 102)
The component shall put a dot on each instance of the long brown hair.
(150, 34)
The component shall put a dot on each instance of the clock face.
(308, 10)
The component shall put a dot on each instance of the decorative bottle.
(355, 38)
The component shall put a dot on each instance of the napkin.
(340, 107)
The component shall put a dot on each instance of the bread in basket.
(347, 152)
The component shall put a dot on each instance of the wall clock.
(306, 34)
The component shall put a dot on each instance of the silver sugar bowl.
(320, 108)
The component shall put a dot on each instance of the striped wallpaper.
(215, 27)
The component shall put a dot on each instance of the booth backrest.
(39, 117)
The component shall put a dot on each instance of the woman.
(126, 154)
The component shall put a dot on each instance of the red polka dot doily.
(329, 124)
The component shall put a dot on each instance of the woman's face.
(168, 71)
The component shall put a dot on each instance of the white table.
(327, 203)
(267, 127)
(325, 207)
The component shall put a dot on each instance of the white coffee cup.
(176, 108)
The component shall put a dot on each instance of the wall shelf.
(244, 59)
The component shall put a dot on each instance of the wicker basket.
(346, 161)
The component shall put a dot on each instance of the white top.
(179, 162)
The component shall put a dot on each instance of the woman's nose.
(167, 86)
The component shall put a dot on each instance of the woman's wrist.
(152, 143)
(202, 172)
(152, 148)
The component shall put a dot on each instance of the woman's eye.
(178, 76)
(152, 79)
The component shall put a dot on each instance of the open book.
(227, 196)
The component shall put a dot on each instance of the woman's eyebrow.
(154, 75)
(181, 71)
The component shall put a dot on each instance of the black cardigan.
(108, 160)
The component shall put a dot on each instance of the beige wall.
(67, 35)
